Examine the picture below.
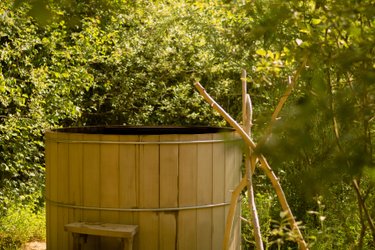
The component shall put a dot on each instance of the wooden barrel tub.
(175, 183)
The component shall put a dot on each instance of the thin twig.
(365, 210)
(245, 220)
(288, 91)
(284, 97)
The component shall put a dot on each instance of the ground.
(35, 246)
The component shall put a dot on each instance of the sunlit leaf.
(261, 52)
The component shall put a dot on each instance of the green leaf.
(316, 21)
(261, 52)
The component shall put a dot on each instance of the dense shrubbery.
(21, 225)
(125, 62)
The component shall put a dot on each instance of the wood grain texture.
(204, 192)
(52, 189)
(91, 183)
(128, 181)
(109, 185)
(75, 179)
(218, 192)
(187, 219)
(233, 160)
(168, 192)
(63, 189)
(149, 192)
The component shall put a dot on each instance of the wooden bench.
(80, 230)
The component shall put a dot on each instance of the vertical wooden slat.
(229, 173)
(47, 162)
(168, 191)
(232, 179)
(187, 219)
(204, 192)
(128, 181)
(149, 192)
(127, 177)
(236, 179)
(109, 184)
(91, 183)
(218, 184)
(75, 180)
(63, 191)
(52, 189)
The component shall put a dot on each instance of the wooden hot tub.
(175, 183)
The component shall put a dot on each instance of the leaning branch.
(363, 205)
(233, 204)
(288, 91)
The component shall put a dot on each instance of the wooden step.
(80, 230)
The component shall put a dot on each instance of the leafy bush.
(20, 225)
(124, 64)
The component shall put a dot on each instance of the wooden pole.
(247, 180)
(264, 164)
(250, 161)
(244, 96)
(233, 204)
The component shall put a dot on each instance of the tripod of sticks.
(252, 160)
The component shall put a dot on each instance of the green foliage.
(151, 62)
(38, 89)
(125, 63)
(324, 136)
(20, 225)
(73, 63)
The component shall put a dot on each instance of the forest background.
(80, 63)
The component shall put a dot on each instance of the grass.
(21, 224)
